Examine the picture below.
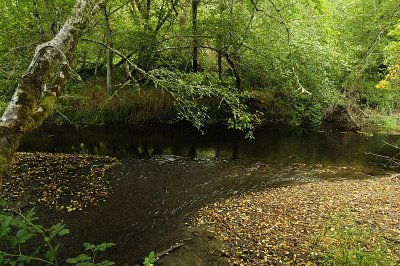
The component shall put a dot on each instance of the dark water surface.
(169, 172)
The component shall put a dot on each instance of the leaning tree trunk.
(42, 84)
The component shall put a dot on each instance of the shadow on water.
(272, 144)
(168, 173)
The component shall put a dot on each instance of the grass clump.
(382, 123)
(126, 106)
(344, 241)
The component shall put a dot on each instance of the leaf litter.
(63, 182)
(278, 226)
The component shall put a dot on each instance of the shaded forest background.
(243, 63)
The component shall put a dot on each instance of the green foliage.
(149, 259)
(18, 229)
(382, 123)
(392, 78)
(126, 107)
(25, 24)
(361, 28)
(89, 260)
(332, 49)
(26, 242)
(192, 93)
(294, 108)
(384, 101)
(345, 242)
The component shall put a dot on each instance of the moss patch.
(3, 164)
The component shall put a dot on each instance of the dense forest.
(199, 132)
(242, 62)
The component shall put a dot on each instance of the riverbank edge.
(367, 129)
(374, 204)
(153, 107)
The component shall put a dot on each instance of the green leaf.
(79, 259)
(3, 203)
(151, 255)
(106, 263)
(51, 253)
(24, 235)
(89, 246)
(103, 246)
(149, 260)
(5, 226)
(63, 232)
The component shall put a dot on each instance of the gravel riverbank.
(289, 225)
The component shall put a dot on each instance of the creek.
(168, 172)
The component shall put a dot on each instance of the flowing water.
(169, 172)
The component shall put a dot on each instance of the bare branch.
(141, 71)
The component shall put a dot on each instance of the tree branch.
(36, 94)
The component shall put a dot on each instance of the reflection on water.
(272, 144)
(168, 173)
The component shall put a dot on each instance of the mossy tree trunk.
(41, 85)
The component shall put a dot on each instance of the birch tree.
(41, 85)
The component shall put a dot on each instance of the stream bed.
(169, 172)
